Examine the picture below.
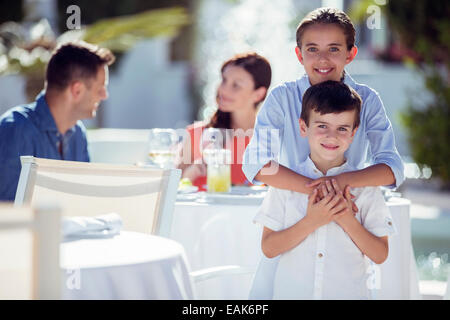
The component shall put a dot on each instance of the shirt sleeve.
(13, 144)
(375, 215)
(265, 143)
(381, 138)
(272, 211)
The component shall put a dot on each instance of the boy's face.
(329, 135)
(324, 52)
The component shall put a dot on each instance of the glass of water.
(162, 147)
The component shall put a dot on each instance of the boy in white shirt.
(322, 243)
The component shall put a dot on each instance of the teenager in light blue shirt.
(76, 80)
(325, 45)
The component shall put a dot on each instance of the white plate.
(187, 189)
(239, 195)
(233, 197)
(245, 190)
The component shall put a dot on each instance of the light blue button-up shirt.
(277, 132)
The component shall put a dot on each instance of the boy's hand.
(325, 182)
(345, 215)
(321, 212)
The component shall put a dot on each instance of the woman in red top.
(245, 81)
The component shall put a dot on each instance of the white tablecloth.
(128, 266)
(218, 233)
(399, 277)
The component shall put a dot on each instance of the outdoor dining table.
(218, 229)
(127, 266)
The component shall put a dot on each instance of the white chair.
(447, 290)
(118, 146)
(29, 252)
(143, 197)
(222, 278)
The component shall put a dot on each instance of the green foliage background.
(117, 25)
(423, 26)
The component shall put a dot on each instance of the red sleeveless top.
(237, 152)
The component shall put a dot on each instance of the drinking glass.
(162, 147)
(213, 138)
(218, 172)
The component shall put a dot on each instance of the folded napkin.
(106, 225)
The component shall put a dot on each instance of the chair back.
(143, 197)
(118, 146)
(29, 252)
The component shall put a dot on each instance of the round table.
(128, 266)
(219, 230)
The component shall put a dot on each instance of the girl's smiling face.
(324, 52)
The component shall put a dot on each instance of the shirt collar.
(349, 80)
(45, 119)
(309, 169)
(304, 83)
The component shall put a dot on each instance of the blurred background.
(168, 68)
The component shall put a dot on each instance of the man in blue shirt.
(50, 127)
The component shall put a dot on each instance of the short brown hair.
(328, 16)
(77, 60)
(331, 97)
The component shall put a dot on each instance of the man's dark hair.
(331, 97)
(75, 61)
(328, 16)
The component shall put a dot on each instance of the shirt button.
(390, 223)
(320, 255)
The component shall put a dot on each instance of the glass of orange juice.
(218, 175)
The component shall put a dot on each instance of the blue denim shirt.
(31, 130)
(277, 132)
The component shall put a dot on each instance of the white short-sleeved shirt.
(327, 264)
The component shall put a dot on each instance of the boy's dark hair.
(328, 16)
(75, 61)
(261, 72)
(331, 97)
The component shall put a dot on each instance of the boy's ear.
(354, 131)
(352, 54)
(303, 127)
(298, 52)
